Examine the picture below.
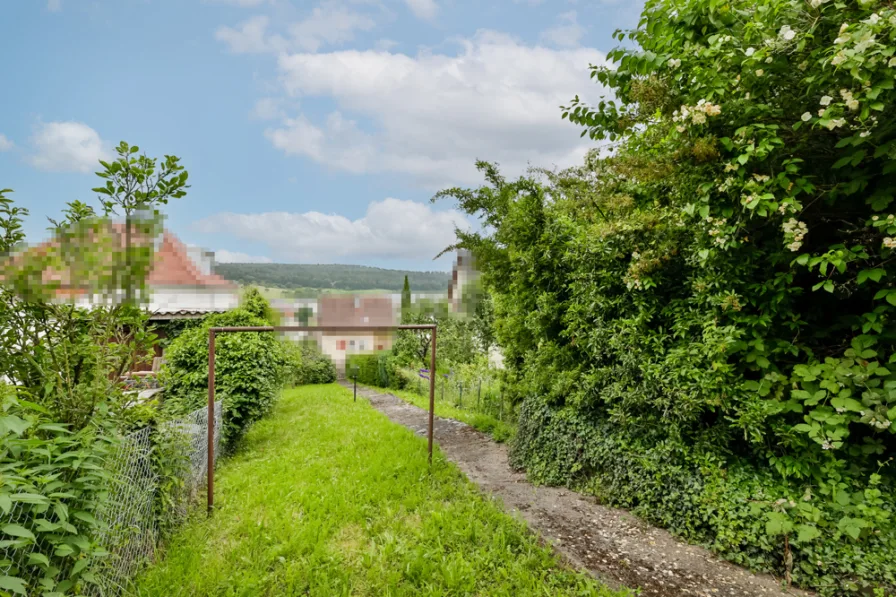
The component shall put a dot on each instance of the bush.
(704, 315)
(379, 369)
(53, 483)
(305, 364)
(248, 372)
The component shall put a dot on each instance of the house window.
(357, 302)
(352, 343)
(361, 345)
(340, 345)
(365, 319)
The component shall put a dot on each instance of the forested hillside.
(334, 276)
(699, 325)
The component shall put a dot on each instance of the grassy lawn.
(327, 497)
(500, 430)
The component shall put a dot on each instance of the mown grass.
(501, 431)
(327, 497)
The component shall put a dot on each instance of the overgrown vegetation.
(63, 406)
(330, 498)
(699, 324)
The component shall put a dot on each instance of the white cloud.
(423, 9)
(5, 143)
(268, 108)
(391, 229)
(225, 256)
(67, 147)
(566, 34)
(54, 5)
(327, 24)
(251, 37)
(433, 115)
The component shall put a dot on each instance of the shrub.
(380, 369)
(53, 483)
(305, 364)
(248, 372)
(699, 324)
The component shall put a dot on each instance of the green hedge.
(248, 372)
(378, 369)
(305, 364)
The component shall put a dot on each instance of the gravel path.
(612, 544)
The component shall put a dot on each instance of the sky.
(313, 131)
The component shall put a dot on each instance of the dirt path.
(612, 544)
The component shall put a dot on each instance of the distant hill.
(337, 277)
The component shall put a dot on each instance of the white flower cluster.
(879, 424)
(786, 33)
(795, 231)
(890, 242)
(851, 102)
(674, 63)
(827, 445)
(727, 183)
(716, 229)
(817, 3)
(696, 114)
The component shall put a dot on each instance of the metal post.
(478, 393)
(432, 390)
(460, 401)
(211, 421)
(356, 388)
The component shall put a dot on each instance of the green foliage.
(304, 363)
(383, 523)
(256, 305)
(333, 276)
(380, 369)
(248, 372)
(405, 298)
(53, 483)
(709, 306)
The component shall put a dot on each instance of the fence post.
(460, 401)
(478, 393)
(210, 423)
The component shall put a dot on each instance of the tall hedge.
(699, 323)
(248, 371)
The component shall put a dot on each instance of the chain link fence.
(128, 518)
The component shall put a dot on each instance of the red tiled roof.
(172, 266)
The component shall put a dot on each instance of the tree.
(405, 299)
(136, 185)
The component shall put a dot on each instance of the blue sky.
(314, 132)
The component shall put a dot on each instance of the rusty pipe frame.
(213, 332)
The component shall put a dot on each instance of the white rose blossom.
(825, 100)
(750, 51)
(786, 33)
(806, 117)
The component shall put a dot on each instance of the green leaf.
(5, 503)
(86, 517)
(38, 558)
(807, 532)
(14, 584)
(14, 424)
(16, 530)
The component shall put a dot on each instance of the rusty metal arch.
(213, 332)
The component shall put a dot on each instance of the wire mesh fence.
(475, 393)
(128, 517)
